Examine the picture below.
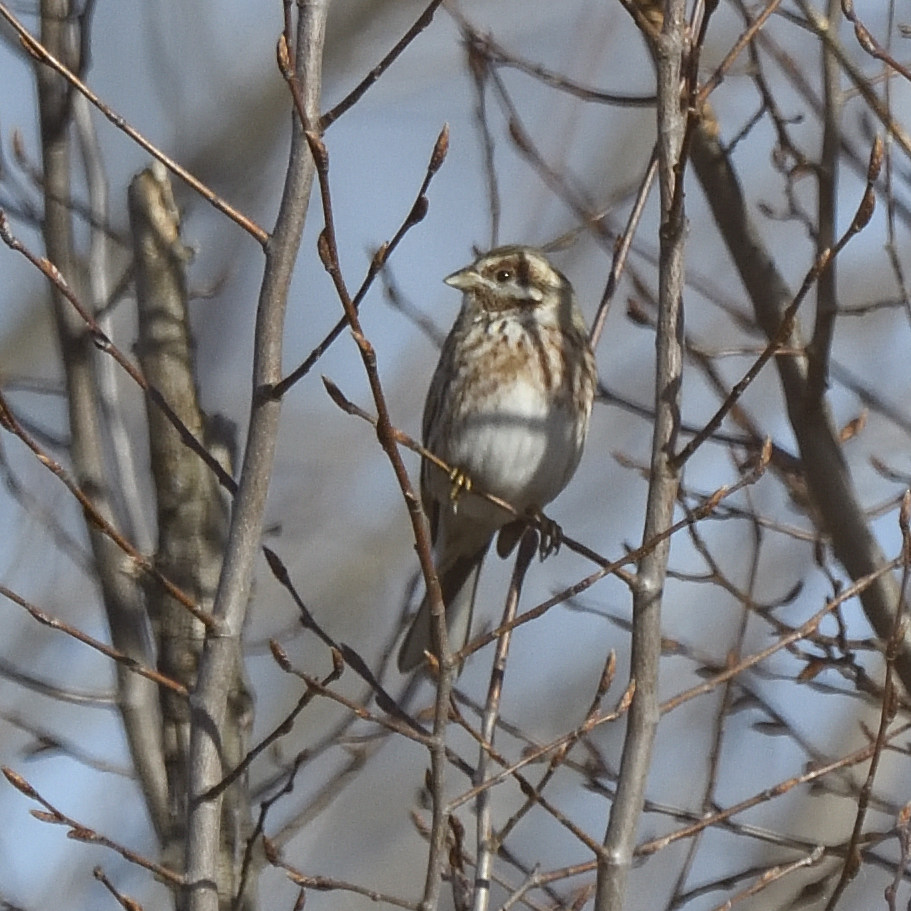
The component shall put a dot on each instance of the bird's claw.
(551, 536)
(459, 482)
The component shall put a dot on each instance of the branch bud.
(440, 148)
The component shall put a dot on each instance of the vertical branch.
(122, 461)
(487, 846)
(137, 696)
(192, 518)
(386, 435)
(827, 180)
(222, 650)
(642, 722)
(621, 250)
(478, 66)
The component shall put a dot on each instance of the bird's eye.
(503, 275)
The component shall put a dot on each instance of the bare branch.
(670, 49)
(47, 56)
(82, 833)
(486, 841)
(222, 654)
(371, 78)
(381, 257)
(122, 660)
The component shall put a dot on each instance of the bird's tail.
(459, 582)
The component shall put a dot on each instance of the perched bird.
(508, 410)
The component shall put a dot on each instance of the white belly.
(522, 446)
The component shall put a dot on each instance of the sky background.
(201, 83)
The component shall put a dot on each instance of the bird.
(507, 410)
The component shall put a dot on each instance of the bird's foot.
(551, 536)
(459, 483)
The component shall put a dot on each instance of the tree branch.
(222, 652)
(670, 49)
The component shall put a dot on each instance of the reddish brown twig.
(125, 660)
(79, 832)
(9, 422)
(40, 53)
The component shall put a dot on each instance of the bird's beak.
(463, 279)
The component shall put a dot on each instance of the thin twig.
(819, 348)
(131, 664)
(40, 53)
(622, 248)
(478, 66)
(328, 884)
(125, 902)
(869, 44)
(378, 261)
(497, 55)
(772, 875)
(371, 78)
(487, 844)
(9, 422)
(82, 833)
(745, 39)
(328, 250)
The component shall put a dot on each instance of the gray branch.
(614, 865)
(222, 648)
(826, 473)
(138, 698)
(192, 515)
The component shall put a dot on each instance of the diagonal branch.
(46, 54)
(827, 474)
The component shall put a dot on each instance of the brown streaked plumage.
(508, 409)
